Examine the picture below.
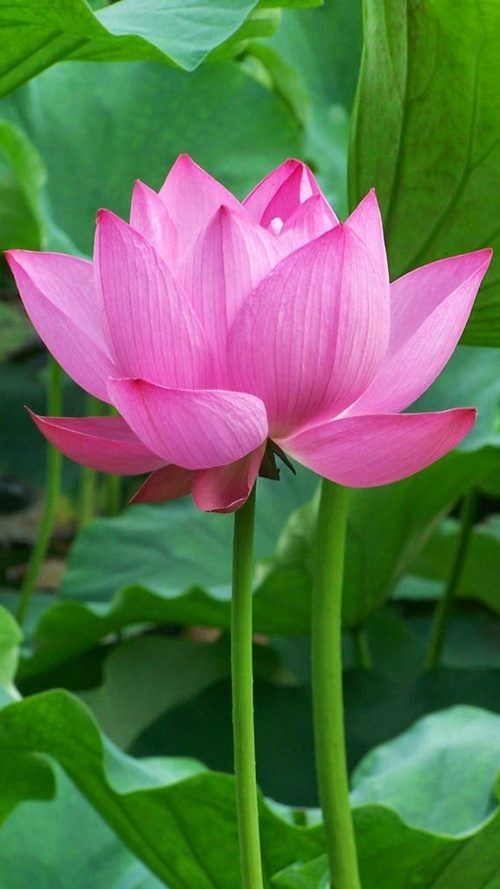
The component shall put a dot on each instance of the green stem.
(242, 683)
(326, 621)
(53, 469)
(362, 648)
(87, 493)
(445, 604)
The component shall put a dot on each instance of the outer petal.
(309, 221)
(103, 443)
(152, 329)
(310, 338)
(192, 429)
(167, 483)
(430, 307)
(59, 296)
(226, 261)
(191, 197)
(363, 452)
(226, 488)
(366, 222)
(149, 216)
(282, 192)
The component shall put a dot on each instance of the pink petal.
(167, 483)
(191, 197)
(103, 443)
(226, 488)
(152, 330)
(363, 452)
(192, 429)
(225, 262)
(429, 310)
(366, 222)
(309, 221)
(59, 296)
(148, 215)
(310, 338)
(282, 192)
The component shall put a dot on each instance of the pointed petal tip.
(184, 160)
(105, 215)
(139, 185)
(487, 254)
(14, 256)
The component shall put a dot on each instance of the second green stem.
(326, 628)
(242, 682)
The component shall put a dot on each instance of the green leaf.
(396, 856)
(22, 176)
(39, 848)
(37, 33)
(178, 819)
(92, 140)
(427, 135)
(456, 750)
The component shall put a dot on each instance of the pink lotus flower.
(216, 327)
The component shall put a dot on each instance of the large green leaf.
(93, 141)
(180, 820)
(456, 750)
(37, 33)
(177, 818)
(396, 856)
(39, 848)
(427, 135)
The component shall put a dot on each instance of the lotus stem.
(242, 685)
(326, 622)
(53, 470)
(445, 604)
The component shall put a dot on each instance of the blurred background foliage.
(131, 611)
